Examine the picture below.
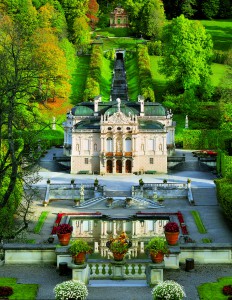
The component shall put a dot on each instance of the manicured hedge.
(205, 139)
(145, 78)
(92, 88)
(224, 164)
(224, 192)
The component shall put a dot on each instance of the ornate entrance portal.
(128, 166)
(109, 166)
(118, 166)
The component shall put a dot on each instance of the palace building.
(118, 137)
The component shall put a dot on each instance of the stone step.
(117, 193)
(117, 283)
(205, 196)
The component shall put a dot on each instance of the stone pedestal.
(154, 273)
(80, 272)
(118, 268)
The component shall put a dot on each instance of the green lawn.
(219, 72)
(221, 32)
(41, 221)
(198, 221)
(113, 32)
(121, 43)
(21, 291)
(213, 290)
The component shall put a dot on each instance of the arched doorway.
(128, 166)
(118, 166)
(109, 166)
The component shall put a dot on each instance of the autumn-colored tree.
(49, 17)
(53, 77)
(81, 33)
(93, 8)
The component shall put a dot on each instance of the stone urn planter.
(119, 246)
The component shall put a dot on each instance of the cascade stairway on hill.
(119, 84)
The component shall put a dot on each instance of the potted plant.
(165, 181)
(128, 201)
(64, 232)
(95, 183)
(171, 231)
(168, 290)
(141, 183)
(48, 181)
(79, 248)
(160, 200)
(72, 181)
(77, 201)
(75, 290)
(109, 201)
(119, 246)
(157, 247)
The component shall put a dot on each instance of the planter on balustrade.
(118, 256)
(64, 238)
(119, 246)
(171, 231)
(64, 232)
(79, 258)
(157, 247)
(157, 258)
(78, 249)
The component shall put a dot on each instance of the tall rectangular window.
(151, 161)
(86, 161)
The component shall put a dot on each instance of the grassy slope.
(221, 32)
(106, 79)
(159, 80)
(79, 78)
(132, 78)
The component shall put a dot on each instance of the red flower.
(64, 228)
(171, 227)
(227, 290)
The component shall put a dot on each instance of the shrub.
(71, 290)
(227, 290)
(168, 290)
(155, 48)
(6, 291)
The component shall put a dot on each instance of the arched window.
(109, 145)
(128, 145)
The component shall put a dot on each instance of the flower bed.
(61, 215)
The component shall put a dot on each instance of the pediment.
(119, 118)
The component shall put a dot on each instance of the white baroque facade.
(118, 137)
